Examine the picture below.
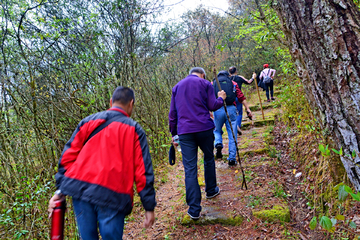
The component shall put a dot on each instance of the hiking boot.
(214, 195)
(218, 151)
(232, 163)
(268, 100)
(194, 217)
(273, 99)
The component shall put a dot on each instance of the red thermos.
(57, 221)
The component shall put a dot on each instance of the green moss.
(277, 93)
(258, 123)
(206, 220)
(253, 152)
(277, 214)
(201, 181)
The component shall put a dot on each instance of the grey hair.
(197, 70)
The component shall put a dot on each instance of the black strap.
(101, 127)
(268, 73)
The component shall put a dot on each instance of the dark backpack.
(267, 78)
(226, 85)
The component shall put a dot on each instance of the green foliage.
(60, 62)
(325, 151)
(331, 224)
(279, 191)
(326, 223)
(254, 201)
(313, 223)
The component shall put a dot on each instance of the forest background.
(61, 60)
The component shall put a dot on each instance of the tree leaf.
(313, 223)
(352, 225)
(333, 221)
(356, 196)
(348, 189)
(335, 151)
(342, 193)
(326, 223)
(354, 153)
(340, 217)
(321, 148)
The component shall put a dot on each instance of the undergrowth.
(322, 172)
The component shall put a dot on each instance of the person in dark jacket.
(240, 80)
(99, 173)
(192, 100)
(220, 119)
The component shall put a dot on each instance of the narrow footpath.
(264, 211)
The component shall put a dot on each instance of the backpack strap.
(100, 127)
(268, 73)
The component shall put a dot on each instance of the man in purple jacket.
(189, 117)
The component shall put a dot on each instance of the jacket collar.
(119, 109)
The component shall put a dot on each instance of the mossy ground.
(276, 214)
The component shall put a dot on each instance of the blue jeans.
(189, 148)
(239, 107)
(88, 216)
(220, 118)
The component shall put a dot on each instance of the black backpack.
(226, 85)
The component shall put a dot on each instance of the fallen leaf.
(294, 171)
(236, 171)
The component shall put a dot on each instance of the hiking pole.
(257, 88)
(233, 134)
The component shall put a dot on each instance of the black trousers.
(271, 86)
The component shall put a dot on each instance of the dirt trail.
(231, 215)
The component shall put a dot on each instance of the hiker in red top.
(99, 170)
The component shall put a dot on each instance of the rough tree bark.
(324, 37)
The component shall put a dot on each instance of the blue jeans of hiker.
(89, 216)
(189, 149)
(220, 118)
(239, 108)
(271, 86)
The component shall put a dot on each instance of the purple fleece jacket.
(192, 99)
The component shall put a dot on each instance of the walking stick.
(257, 89)
(233, 134)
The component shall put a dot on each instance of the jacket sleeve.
(173, 115)
(261, 75)
(68, 156)
(74, 145)
(213, 103)
(144, 174)
(240, 96)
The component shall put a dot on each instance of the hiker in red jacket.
(99, 170)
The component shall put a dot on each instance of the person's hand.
(249, 114)
(175, 144)
(149, 219)
(222, 94)
(52, 203)
(254, 75)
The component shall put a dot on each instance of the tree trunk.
(324, 37)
